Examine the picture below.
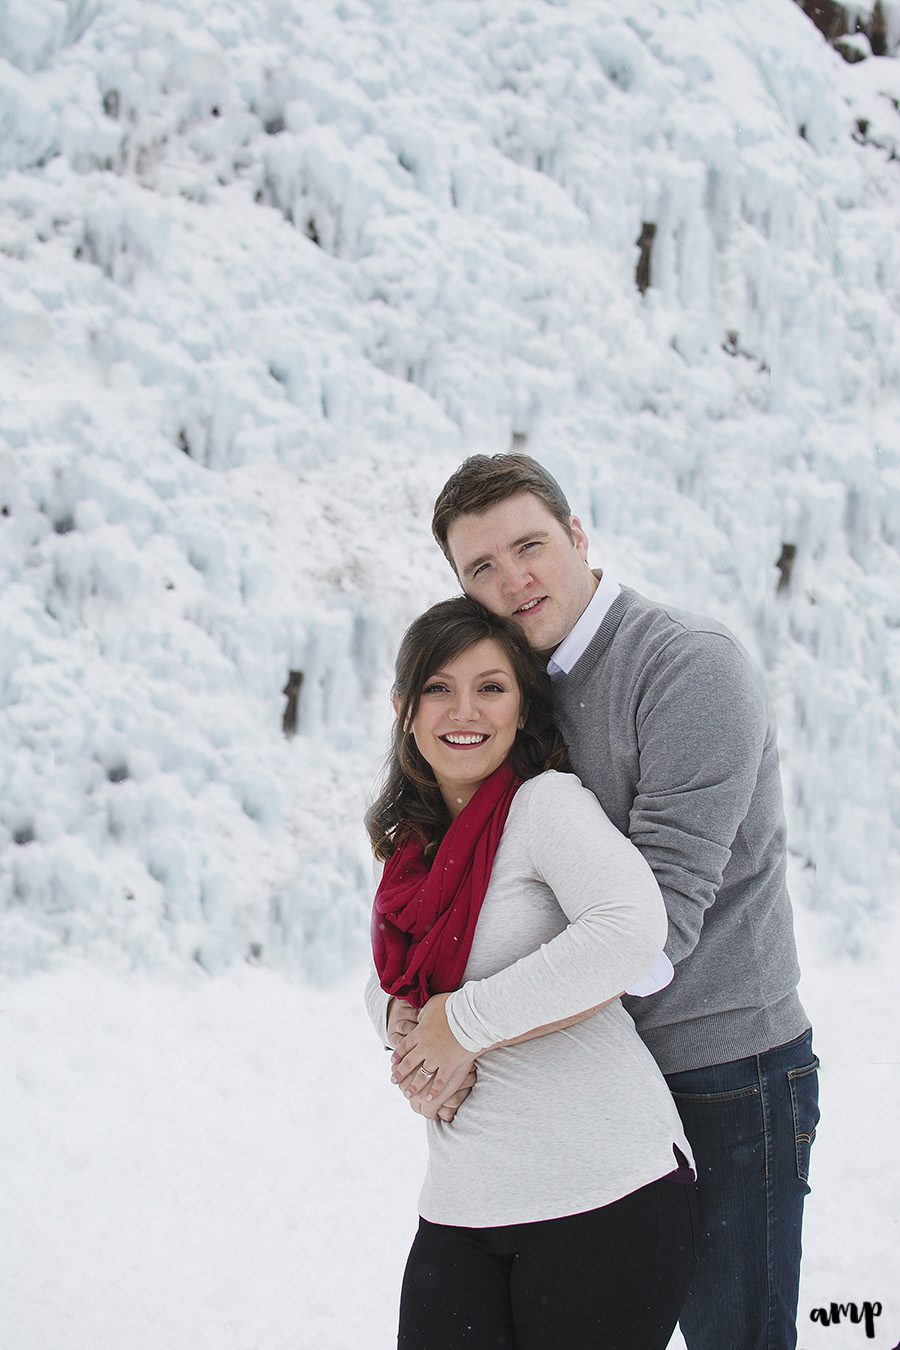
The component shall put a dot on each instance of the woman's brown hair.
(410, 802)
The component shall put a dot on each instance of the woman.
(558, 1208)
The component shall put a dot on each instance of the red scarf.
(424, 917)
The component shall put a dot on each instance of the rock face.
(877, 24)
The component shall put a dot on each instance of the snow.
(224, 1163)
(180, 1180)
(268, 272)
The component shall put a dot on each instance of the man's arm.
(702, 726)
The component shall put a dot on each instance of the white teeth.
(523, 609)
(458, 739)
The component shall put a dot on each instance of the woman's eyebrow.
(444, 675)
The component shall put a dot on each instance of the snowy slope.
(268, 271)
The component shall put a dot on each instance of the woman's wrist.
(451, 1008)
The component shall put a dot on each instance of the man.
(668, 723)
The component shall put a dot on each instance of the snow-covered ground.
(223, 1164)
(198, 1165)
(268, 272)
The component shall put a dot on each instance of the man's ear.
(579, 538)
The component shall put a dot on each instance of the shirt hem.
(560, 1210)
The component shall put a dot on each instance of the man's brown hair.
(483, 480)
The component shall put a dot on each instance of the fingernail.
(394, 1078)
(430, 1097)
(407, 1093)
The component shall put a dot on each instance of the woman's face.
(467, 720)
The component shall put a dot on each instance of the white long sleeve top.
(578, 1118)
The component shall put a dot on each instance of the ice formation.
(268, 271)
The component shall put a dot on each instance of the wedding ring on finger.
(426, 1073)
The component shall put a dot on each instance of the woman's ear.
(523, 716)
(397, 704)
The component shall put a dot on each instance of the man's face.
(517, 560)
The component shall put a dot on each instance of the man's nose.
(515, 576)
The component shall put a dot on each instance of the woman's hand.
(431, 1058)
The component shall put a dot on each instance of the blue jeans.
(751, 1124)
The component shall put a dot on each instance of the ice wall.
(269, 271)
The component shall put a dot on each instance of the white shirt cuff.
(657, 977)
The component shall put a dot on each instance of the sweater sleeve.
(616, 930)
(377, 1001)
(702, 725)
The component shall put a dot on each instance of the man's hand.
(401, 1020)
(429, 1064)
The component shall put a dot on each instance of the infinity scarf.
(424, 918)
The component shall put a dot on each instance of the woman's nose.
(463, 709)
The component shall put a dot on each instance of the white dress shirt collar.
(575, 643)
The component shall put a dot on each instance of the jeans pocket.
(711, 1098)
(804, 1086)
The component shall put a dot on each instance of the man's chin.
(537, 641)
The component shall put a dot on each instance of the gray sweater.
(668, 723)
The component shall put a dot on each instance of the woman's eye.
(492, 688)
(435, 688)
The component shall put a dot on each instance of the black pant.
(609, 1279)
